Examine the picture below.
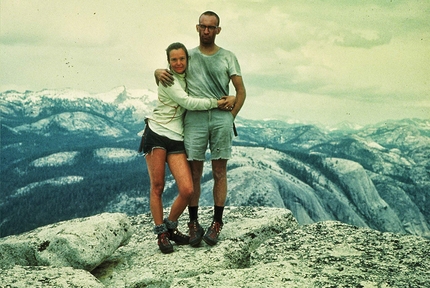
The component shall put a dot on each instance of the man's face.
(208, 29)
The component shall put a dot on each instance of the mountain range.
(68, 153)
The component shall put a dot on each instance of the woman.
(162, 142)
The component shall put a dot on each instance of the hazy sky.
(327, 61)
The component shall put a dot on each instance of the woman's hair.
(176, 46)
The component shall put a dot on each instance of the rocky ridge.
(259, 247)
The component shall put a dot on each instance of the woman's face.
(178, 60)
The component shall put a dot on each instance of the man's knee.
(219, 169)
(196, 169)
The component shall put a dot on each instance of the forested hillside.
(67, 154)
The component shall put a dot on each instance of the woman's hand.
(164, 76)
(227, 103)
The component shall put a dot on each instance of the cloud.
(362, 53)
(343, 50)
(53, 23)
(363, 39)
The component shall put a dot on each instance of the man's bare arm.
(240, 94)
(164, 76)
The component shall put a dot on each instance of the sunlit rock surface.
(259, 247)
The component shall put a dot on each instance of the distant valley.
(68, 154)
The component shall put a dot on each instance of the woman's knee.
(157, 189)
(186, 192)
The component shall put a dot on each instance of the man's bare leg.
(195, 230)
(219, 172)
(196, 171)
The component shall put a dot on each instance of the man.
(211, 68)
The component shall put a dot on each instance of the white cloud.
(325, 51)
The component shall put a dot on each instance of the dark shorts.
(151, 140)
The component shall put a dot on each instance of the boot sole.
(196, 242)
(209, 241)
(166, 250)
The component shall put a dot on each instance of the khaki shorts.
(214, 128)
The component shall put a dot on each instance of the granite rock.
(259, 247)
(80, 243)
(42, 276)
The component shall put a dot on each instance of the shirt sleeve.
(178, 95)
(233, 66)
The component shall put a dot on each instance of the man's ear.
(218, 30)
(197, 27)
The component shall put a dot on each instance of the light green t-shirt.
(209, 76)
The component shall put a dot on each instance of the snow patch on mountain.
(345, 125)
(54, 181)
(75, 94)
(56, 159)
(116, 155)
(126, 204)
(73, 122)
(373, 144)
(34, 104)
(128, 97)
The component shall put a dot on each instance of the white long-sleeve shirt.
(173, 101)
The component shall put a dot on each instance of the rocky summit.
(259, 247)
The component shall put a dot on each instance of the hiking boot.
(164, 243)
(211, 236)
(196, 233)
(178, 237)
